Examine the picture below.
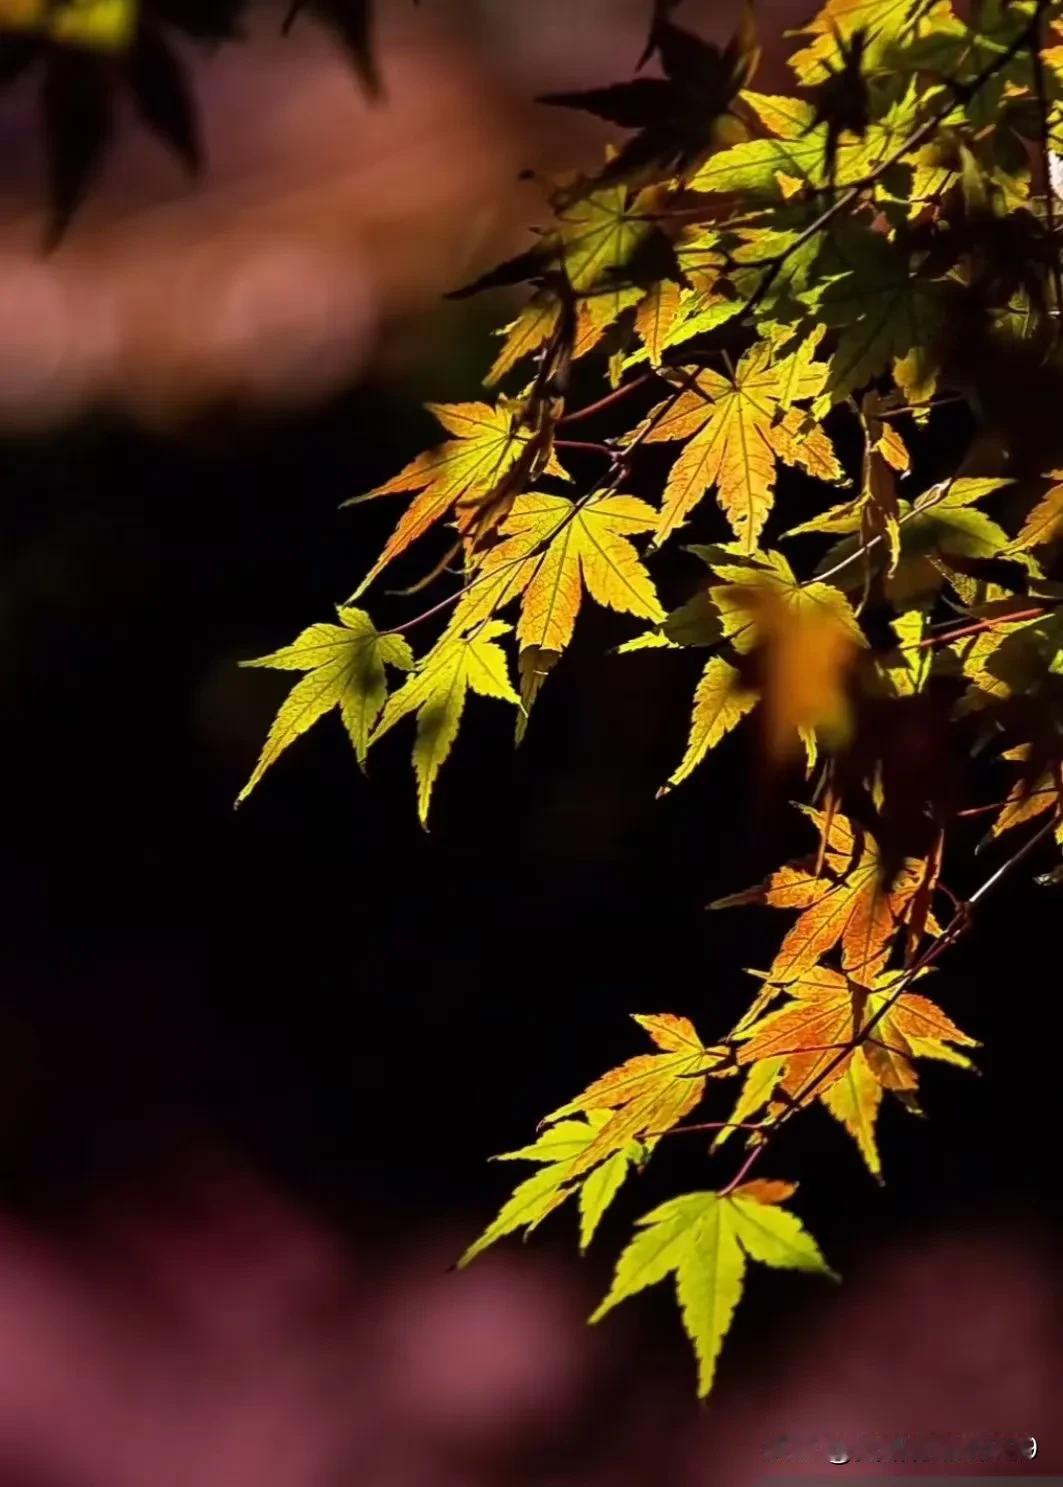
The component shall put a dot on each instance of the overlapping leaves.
(782, 291)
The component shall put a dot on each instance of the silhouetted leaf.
(678, 115)
(162, 95)
(352, 22)
(78, 121)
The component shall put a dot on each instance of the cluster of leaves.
(773, 284)
(91, 51)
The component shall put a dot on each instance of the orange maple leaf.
(847, 903)
(495, 454)
(650, 1093)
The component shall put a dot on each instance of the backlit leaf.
(491, 446)
(538, 1195)
(704, 1240)
(648, 1094)
(345, 669)
(436, 692)
(733, 439)
(550, 550)
(850, 906)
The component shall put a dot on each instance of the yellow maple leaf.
(843, 1043)
(539, 1195)
(879, 21)
(649, 1093)
(493, 455)
(704, 1241)
(798, 641)
(656, 316)
(551, 549)
(807, 1036)
(532, 327)
(720, 703)
(1045, 521)
(735, 436)
(436, 692)
(345, 669)
(847, 904)
(854, 1098)
(97, 25)
(802, 640)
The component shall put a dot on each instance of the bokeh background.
(251, 1064)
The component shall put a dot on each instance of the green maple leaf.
(436, 693)
(345, 669)
(704, 1241)
(538, 1195)
(885, 315)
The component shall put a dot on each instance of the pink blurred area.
(213, 1334)
(320, 220)
(324, 227)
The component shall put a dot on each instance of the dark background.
(355, 1005)
(315, 992)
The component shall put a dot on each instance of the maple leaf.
(847, 905)
(1045, 522)
(885, 314)
(796, 641)
(656, 318)
(648, 1094)
(479, 471)
(805, 1038)
(801, 153)
(92, 51)
(720, 704)
(345, 669)
(591, 237)
(351, 21)
(836, 24)
(704, 1241)
(942, 538)
(678, 116)
(844, 1043)
(843, 100)
(524, 336)
(550, 550)
(757, 1088)
(603, 255)
(855, 1098)
(736, 432)
(1031, 795)
(543, 1192)
(436, 692)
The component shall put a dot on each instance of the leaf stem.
(583, 446)
(1012, 618)
(957, 927)
(609, 401)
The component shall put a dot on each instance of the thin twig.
(918, 137)
(1012, 618)
(606, 484)
(584, 446)
(957, 927)
(609, 401)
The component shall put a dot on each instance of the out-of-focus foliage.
(88, 52)
(798, 301)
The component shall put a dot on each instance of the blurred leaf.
(78, 121)
(163, 97)
(352, 22)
